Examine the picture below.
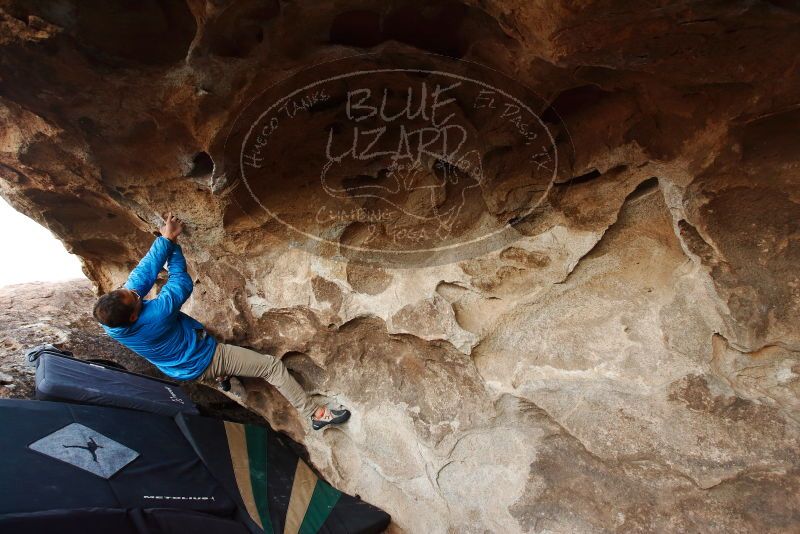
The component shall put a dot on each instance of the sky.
(30, 253)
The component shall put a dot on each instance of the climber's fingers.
(171, 218)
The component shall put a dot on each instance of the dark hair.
(112, 311)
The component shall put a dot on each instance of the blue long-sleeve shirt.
(168, 338)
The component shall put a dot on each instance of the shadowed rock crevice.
(240, 28)
(117, 33)
(448, 28)
(202, 166)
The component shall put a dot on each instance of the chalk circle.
(397, 159)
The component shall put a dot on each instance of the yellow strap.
(237, 445)
(302, 489)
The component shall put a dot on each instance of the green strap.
(322, 502)
(257, 453)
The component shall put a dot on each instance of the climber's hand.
(173, 227)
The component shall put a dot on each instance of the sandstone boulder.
(623, 357)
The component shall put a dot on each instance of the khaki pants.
(230, 360)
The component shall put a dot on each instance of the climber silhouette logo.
(85, 448)
(90, 446)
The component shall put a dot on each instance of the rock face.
(628, 360)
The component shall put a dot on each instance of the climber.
(179, 345)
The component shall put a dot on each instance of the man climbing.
(176, 343)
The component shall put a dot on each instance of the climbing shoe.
(330, 417)
(232, 386)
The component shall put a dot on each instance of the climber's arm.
(179, 284)
(144, 274)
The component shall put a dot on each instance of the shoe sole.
(335, 421)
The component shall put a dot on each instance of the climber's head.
(120, 307)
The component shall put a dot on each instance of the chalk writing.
(401, 152)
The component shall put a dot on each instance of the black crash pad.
(60, 378)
